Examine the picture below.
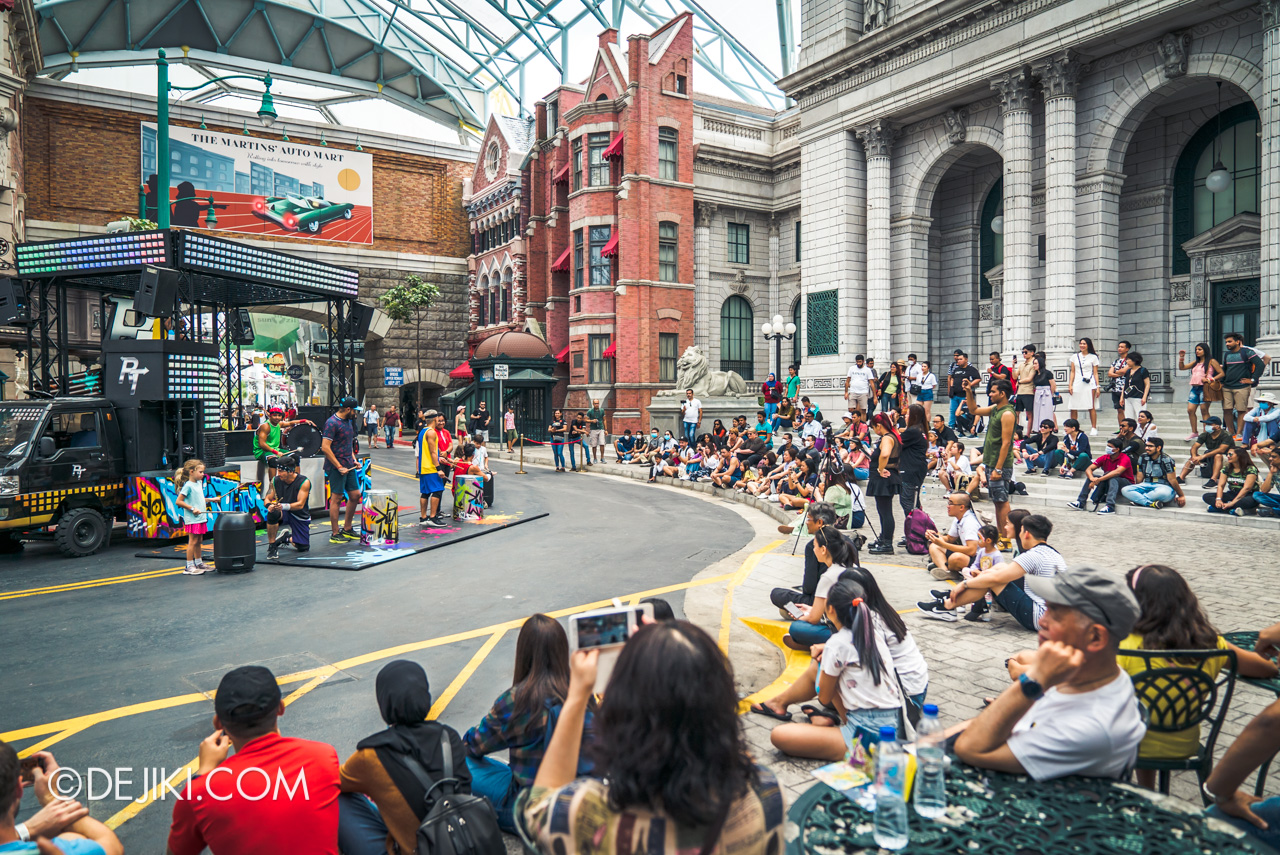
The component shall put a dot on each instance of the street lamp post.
(266, 113)
(777, 333)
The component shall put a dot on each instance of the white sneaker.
(192, 570)
(1093, 431)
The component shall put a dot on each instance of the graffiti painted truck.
(63, 464)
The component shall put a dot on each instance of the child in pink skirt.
(189, 482)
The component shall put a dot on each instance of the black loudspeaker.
(157, 294)
(240, 327)
(13, 300)
(359, 316)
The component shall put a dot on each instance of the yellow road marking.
(135, 807)
(738, 578)
(92, 583)
(395, 472)
(464, 675)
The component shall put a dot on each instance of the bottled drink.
(891, 807)
(930, 792)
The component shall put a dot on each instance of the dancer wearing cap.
(221, 809)
(340, 467)
(287, 498)
(430, 480)
(1072, 710)
(268, 439)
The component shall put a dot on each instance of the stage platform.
(414, 539)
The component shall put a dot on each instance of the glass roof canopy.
(444, 60)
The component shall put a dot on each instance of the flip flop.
(761, 709)
(821, 712)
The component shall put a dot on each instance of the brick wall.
(82, 166)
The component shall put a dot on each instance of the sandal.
(761, 709)
(821, 712)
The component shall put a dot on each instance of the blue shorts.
(430, 484)
(342, 484)
(1196, 395)
(925, 395)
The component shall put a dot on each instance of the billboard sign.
(264, 187)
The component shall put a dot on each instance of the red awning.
(611, 351)
(610, 248)
(562, 263)
(462, 372)
(615, 147)
(563, 356)
(562, 177)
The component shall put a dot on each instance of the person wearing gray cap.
(1073, 711)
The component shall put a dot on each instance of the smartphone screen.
(794, 610)
(601, 630)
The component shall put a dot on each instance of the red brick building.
(609, 257)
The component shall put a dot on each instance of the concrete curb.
(639, 473)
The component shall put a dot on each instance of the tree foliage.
(406, 303)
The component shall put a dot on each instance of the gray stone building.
(981, 174)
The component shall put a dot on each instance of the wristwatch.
(1031, 688)
(23, 834)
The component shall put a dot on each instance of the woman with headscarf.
(382, 802)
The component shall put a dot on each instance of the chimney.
(608, 37)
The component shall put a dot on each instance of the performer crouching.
(286, 501)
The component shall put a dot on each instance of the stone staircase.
(1171, 419)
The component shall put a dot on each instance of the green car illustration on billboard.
(299, 213)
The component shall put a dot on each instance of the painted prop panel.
(153, 503)
(363, 478)
(380, 524)
(468, 497)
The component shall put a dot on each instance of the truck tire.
(81, 532)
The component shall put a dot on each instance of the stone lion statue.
(693, 371)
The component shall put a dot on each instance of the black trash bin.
(234, 549)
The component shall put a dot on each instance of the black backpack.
(456, 824)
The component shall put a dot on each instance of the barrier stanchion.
(521, 471)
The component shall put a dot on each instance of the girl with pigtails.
(856, 676)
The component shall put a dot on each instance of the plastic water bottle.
(930, 791)
(891, 807)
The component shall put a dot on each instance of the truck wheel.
(81, 532)
(10, 545)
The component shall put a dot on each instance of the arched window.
(737, 337)
(506, 295)
(795, 342)
(1195, 209)
(990, 244)
(494, 288)
(483, 299)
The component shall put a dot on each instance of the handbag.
(456, 823)
(915, 388)
(1057, 398)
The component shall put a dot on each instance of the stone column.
(1269, 298)
(1016, 92)
(877, 139)
(1098, 273)
(1059, 75)
(775, 299)
(702, 278)
(910, 298)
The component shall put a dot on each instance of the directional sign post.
(500, 373)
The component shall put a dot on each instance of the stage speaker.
(359, 316)
(240, 327)
(157, 293)
(13, 300)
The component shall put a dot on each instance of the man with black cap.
(287, 498)
(1072, 711)
(340, 467)
(275, 794)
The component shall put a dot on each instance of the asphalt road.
(82, 651)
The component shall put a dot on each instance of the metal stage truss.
(215, 277)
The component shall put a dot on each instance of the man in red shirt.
(275, 794)
(1106, 476)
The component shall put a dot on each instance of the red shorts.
(197, 528)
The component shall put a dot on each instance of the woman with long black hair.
(522, 718)
(836, 553)
(914, 461)
(675, 772)
(382, 796)
(884, 483)
(1203, 369)
(1045, 390)
(1171, 619)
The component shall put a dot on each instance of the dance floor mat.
(353, 555)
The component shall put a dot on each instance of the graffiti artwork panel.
(380, 524)
(468, 497)
(153, 502)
